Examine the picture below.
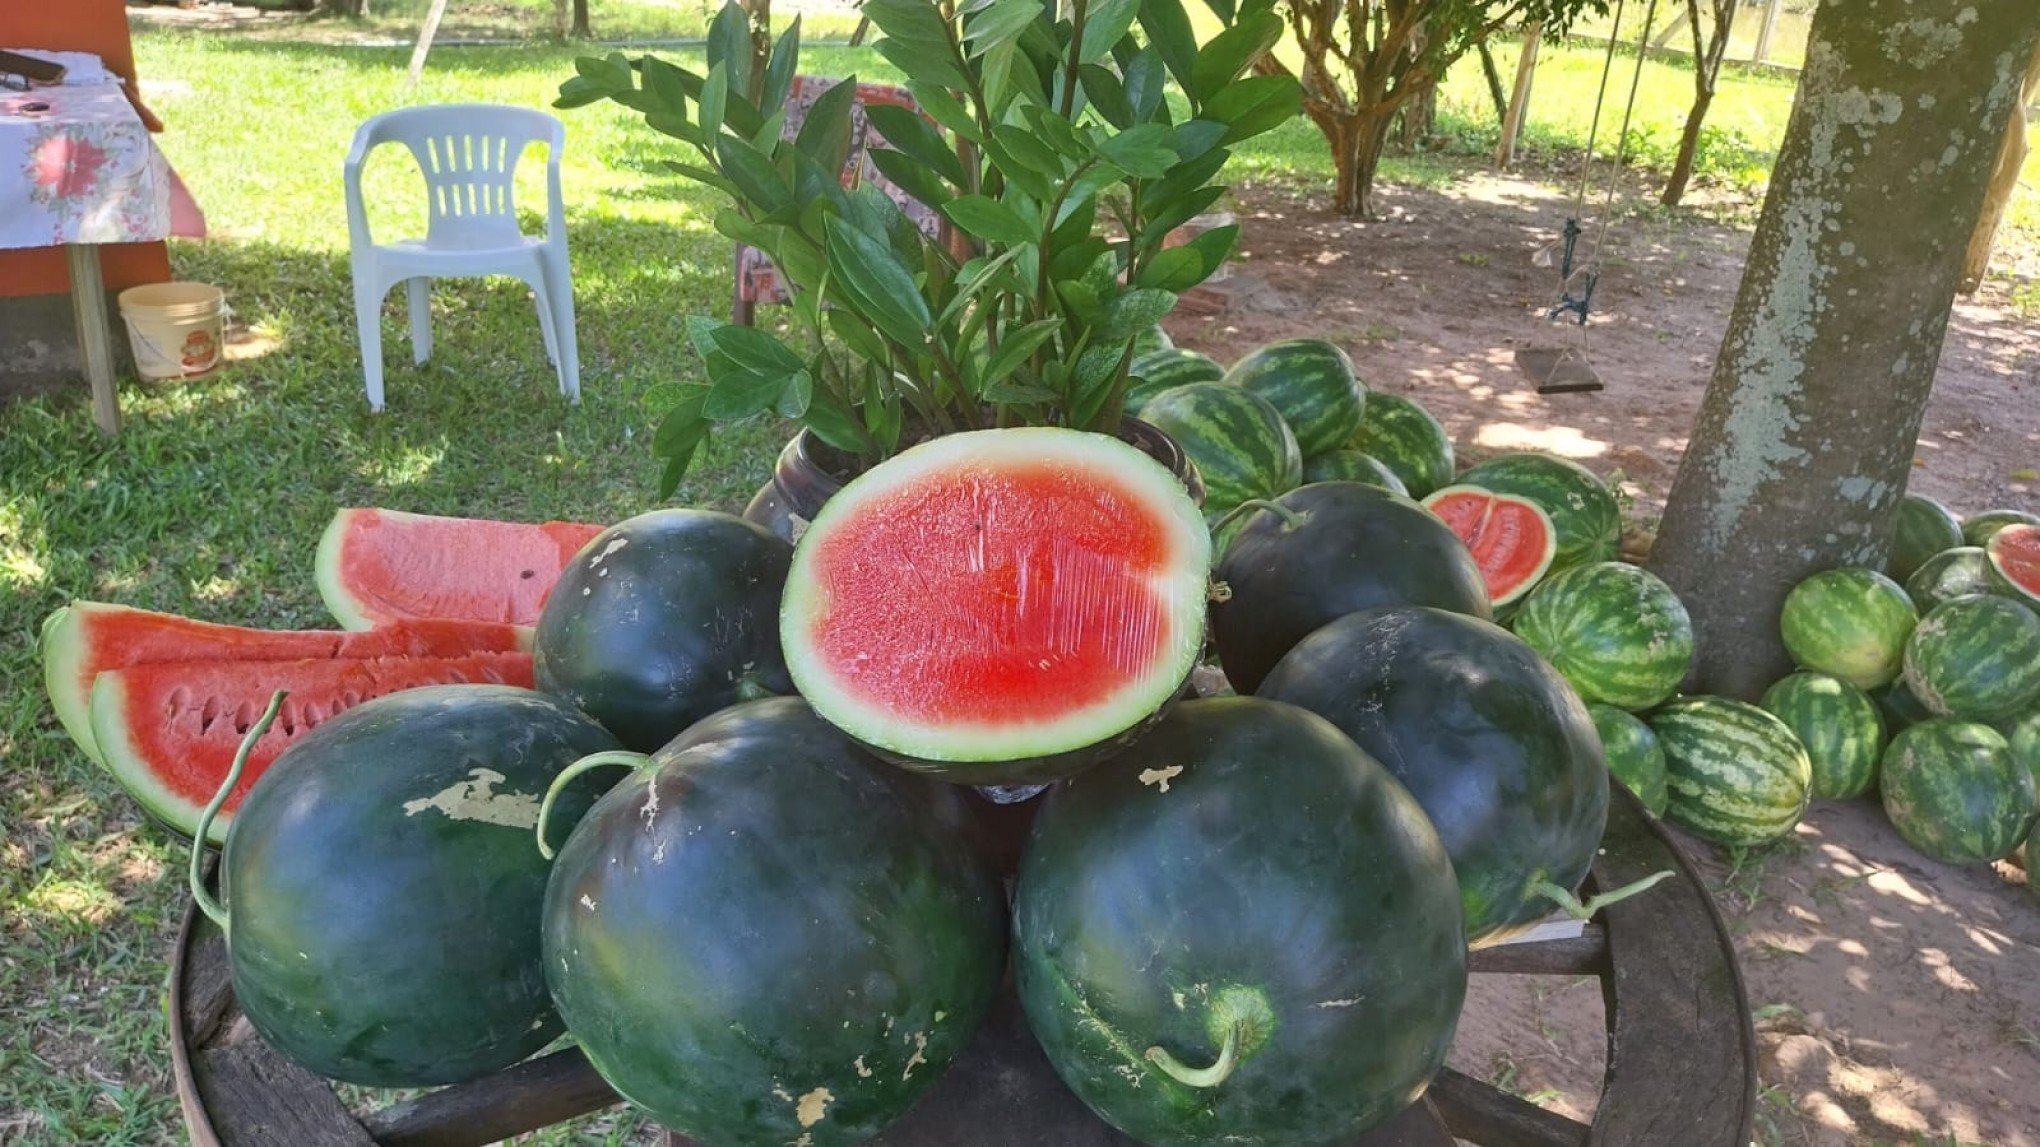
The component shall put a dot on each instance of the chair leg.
(419, 293)
(560, 281)
(545, 323)
(368, 295)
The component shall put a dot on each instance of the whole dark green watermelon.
(1247, 897)
(385, 887)
(664, 619)
(766, 935)
(1490, 739)
(1924, 527)
(1634, 756)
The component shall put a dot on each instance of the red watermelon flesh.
(377, 566)
(1511, 538)
(169, 731)
(2014, 554)
(86, 638)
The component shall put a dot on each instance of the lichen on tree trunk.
(1806, 434)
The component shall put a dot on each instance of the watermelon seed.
(527, 575)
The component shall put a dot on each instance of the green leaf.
(1146, 83)
(1187, 177)
(729, 41)
(753, 173)
(1256, 104)
(876, 284)
(1071, 259)
(825, 134)
(1181, 268)
(835, 424)
(1106, 94)
(946, 110)
(611, 71)
(779, 72)
(1104, 23)
(1178, 212)
(715, 97)
(731, 224)
(1194, 139)
(1011, 393)
(927, 61)
(1134, 312)
(910, 175)
(988, 219)
(675, 125)
(859, 336)
(665, 82)
(756, 350)
(1233, 51)
(1015, 348)
(1142, 152)
(701, 333)
(1091, 381)
(580, 91)
(683, 402)
(1035, 181)
(797, 395)
(737, 393)
(999, 22)
(906, 131)
(1025, 149)
(1058, 133)
(681, 445)
(1168, 29)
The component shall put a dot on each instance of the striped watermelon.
(1736, 775)
(1950, 574)
(1582, 508)
(1150, 340)
(1634, 755)
(1407, 440)
(1620, 635)
(1978, 528)
(2023, 734)
(1167, 369)
(1976, 657)
(1312, 383)
(2014, 557)
(1242, 447)
(1953, 790)
(1838, 724)
(1899, 707)
(1923, 528)
(1348, 465)
(1851, 623)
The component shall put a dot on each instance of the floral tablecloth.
(78, 166)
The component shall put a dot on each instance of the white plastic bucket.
(176, 329)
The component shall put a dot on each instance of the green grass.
(210, 502)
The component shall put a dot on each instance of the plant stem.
(1291, 520)
(214, 911)
(1571, 905)
(567, 775)
(1219, 1070)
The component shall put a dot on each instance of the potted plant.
(1062, 143)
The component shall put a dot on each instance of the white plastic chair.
(468, 154)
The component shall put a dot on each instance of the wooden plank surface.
(1583, 955)
(256, 1098)
(1480, 1113)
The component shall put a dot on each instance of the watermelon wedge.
(1001, 606)
(2014, 554)
(169, 731)
(86, 638)
(376, 566)
(1512, 538)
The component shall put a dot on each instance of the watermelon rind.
(1582, 508)
(1505, 586)
(1736, 775)
(1948, 575)
(1923, 528)
(1619, 634)
(1311, 383)
(327, 572)
(1954, 791)
(1179, 585)
(1164, 370)
(1840, 727)
(1979, 528)
(1998, 551)
(1240, 443)
(1975, 657)
(1348, 465)
(1634, 755)
(1407, 439)
(1850, 623)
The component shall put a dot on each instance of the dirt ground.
(1897, 999)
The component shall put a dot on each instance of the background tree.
(1709, 49)
(1362, 61)
(1806, 434)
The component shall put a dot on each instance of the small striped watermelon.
(1976, 657)
(2014, 557)
(1950, 574)
(1617, 632)
(1311, 382)
(1838, 724)
(1511, 538)
(2023, 734)
(1348, 465)
(1150, 340)
(1953, 790)
(1850, 623)
(1167, 369)
(1407, 440)
(1735, 774)
(1582, 508)
(1634, 755)
(1242, 447)
(1978, 528)
(1923, 528)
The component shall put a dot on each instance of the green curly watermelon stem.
(1571, 905)
(1244, 1016)
(569, 774)
(752, 687)
(214, 910)
(1290, 518)
(1212, 1076)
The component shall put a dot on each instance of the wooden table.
(78, 169)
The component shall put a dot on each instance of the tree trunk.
(1356, 155)
(1689, 147)
(1519, 100)
(1805, 437)
(581, 31)
(1418, 120)
(1707, 56)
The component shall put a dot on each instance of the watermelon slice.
(2014, 553)
(377, 566)
(86, 638)
(1002, 606)
(1512, 538)
(169, 731)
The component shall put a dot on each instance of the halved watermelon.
(1511, 538)
(2014, 554)
(86, 638)
(1001, 606)
(169, 731)
(376, 566)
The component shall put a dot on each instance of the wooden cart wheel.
(1681, 1052)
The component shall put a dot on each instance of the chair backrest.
(468, 155)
